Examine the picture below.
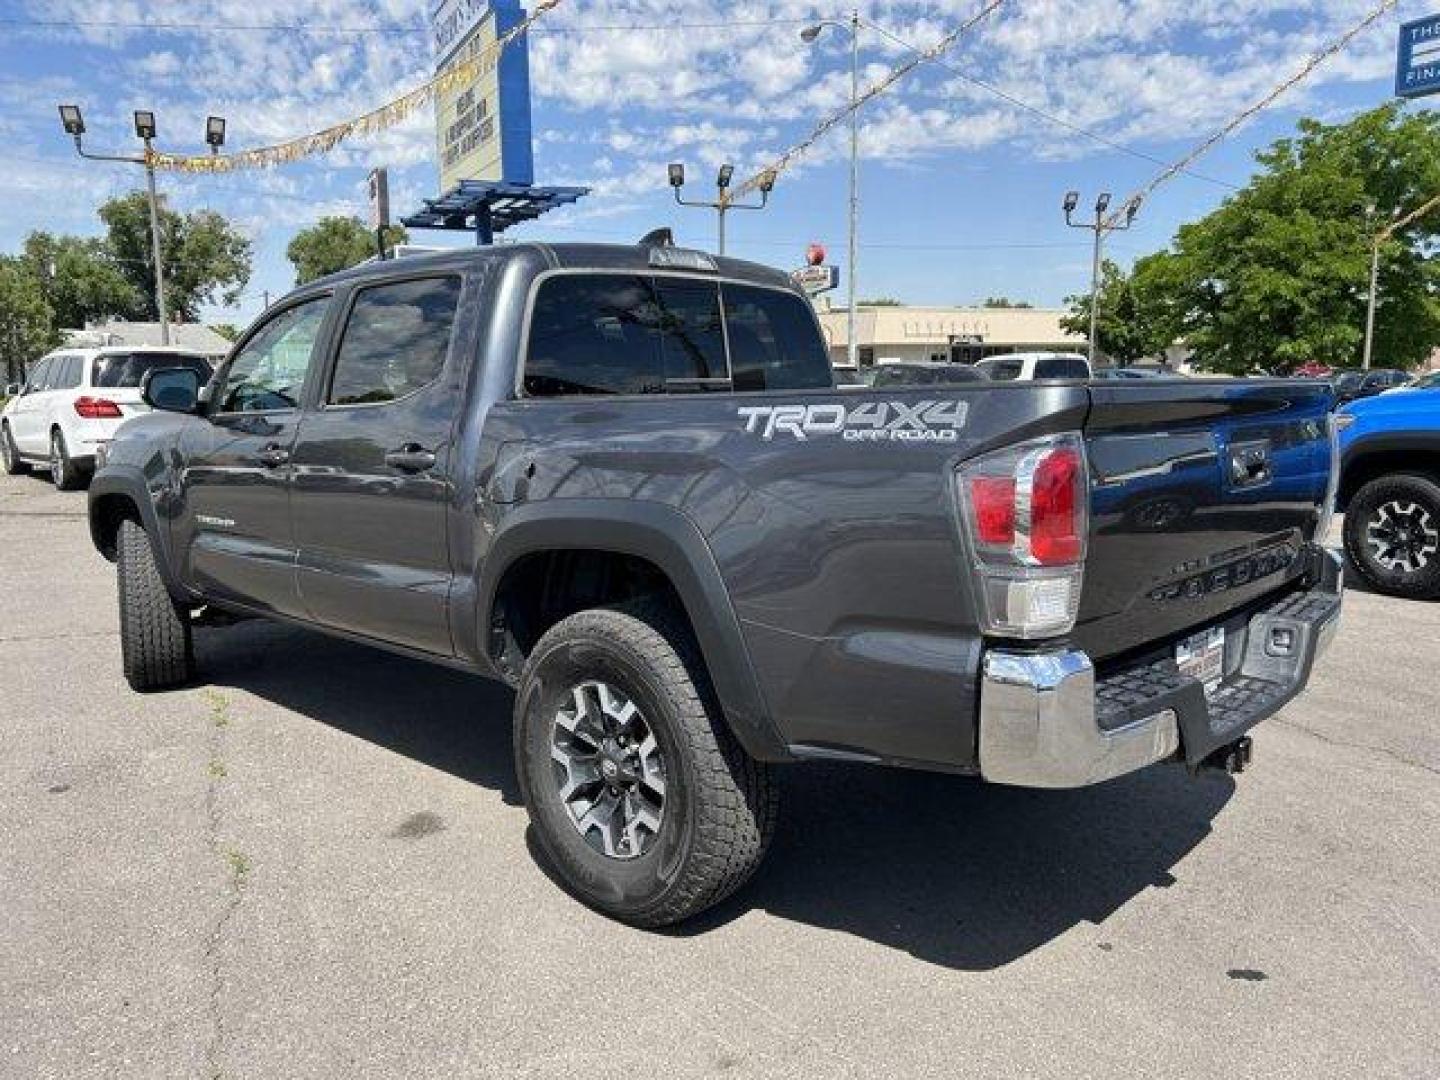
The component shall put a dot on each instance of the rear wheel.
(642, 800)
(1392, 535)
(63, 471)
(10, 453)
(155, 642)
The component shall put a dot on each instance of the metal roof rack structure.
(490, 207)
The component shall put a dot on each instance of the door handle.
(411, 458)
(272, 457)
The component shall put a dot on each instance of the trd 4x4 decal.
(870, 421)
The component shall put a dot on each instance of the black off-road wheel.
(643, 803)
(155, 641)
(1392, 535)
(63, 472)
(10, 453)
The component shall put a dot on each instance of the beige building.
(947, 333)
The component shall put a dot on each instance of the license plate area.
(1202, 657)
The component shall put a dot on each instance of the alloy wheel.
(1402, 536)
(609, 770)
(57, 459)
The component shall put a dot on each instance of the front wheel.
(1392, 535)
(641, 799)
(10, 453)
(155, 639)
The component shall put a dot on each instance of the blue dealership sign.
(1417, 69)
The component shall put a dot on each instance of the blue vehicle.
(1390, 491)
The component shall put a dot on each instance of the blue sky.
(960, 189)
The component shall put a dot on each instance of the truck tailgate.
(1203, 493)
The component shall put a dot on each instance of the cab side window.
(269, 372)
(395, 341)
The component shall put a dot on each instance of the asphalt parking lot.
(315, 864)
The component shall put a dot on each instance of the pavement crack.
(1383, 751)
(237, 871)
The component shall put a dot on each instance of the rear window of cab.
(658, 334)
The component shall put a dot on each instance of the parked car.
(921, 373)
(1356, 384)
(1313, 370)
(849, 375)
(1026, 367)
(1423, 382)
(1134, 373)
(1390, 491)
(622, 480)
(73, 400)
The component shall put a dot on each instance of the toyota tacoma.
(623, 481)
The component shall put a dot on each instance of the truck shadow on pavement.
(952, 871)
(968, 875)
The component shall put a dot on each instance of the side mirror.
(174, 389)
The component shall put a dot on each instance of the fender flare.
(671, 541)
(129, 482)
(1381, 443)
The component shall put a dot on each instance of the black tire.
(719, 804)
(155, 642)
(1411, 570)
(10, 453)
(63, 472)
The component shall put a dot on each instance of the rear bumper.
(1047, 720)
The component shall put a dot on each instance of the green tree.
(206, 259)
(1005, 302)
(27, 323)
(1134, 322)
(82, 283)
(333, 244)
(1279, 274)
(229, 331)
(879, 301)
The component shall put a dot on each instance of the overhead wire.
(1034, 110)
(785, 160)
(1303, 72)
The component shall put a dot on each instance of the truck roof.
(633, 257)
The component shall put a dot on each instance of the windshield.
(124, 371)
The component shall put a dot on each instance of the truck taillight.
(1025, 515)
(93, 408)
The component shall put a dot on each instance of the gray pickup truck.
(622, 480)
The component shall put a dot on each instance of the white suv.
(1026, 366)
(72, 402)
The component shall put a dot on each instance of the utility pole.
(723, 203)
(1100, 227)
(74, 124)
(809, 34)
(1370, 304)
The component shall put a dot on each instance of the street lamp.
(1100, 227)
(74, 124)
(723, 203)
(809, 35)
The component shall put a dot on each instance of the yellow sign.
(478, 135)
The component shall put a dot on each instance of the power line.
(1265, 102)
(945, 44)
(391, 30)
(1036, 111)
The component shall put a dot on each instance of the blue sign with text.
(1417, 68)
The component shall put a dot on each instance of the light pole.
(1370, 305)
(74, 124)
(1100, 227)
(809, 34)
(723, 204)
